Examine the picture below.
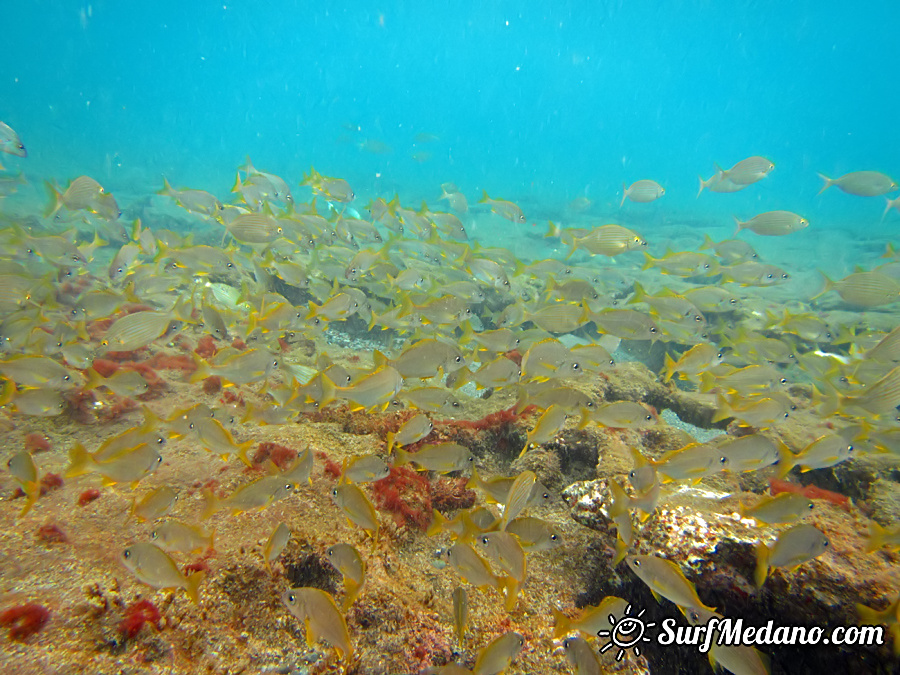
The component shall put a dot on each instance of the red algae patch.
(50, 533)
(281, 455)
(136, 615)
(37, 442)
(24, 620)
(88, 496)
(405, 494)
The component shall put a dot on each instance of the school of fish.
(77, 285)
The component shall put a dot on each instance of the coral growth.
(136, 615)
(24, 620)
(450, 494)
(497, 419)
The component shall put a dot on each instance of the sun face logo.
(626, 633)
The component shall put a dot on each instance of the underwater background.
(550, 108)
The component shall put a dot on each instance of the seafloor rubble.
(64, 556)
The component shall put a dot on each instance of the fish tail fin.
(723, 409)
(621, 551)
(703, 184)
(829, 285)
(585, 419)
(670, 366)
(438, 521)
(708, 243)
(380, 359)
(707, 381)
(786, 461)
(243, 449)
(390, 441)
(193, 586)
(876, 537)
(525, 449)
(313, 308)
(511, 591)
(7, 393)
(562, 625)
(553, 230)
(640, 293)
(211, 504)
(867, 615)
(485, 199)
(474, 479)
(401, 457)
(167, 190)
(79, 461)
(624, 195)
(738, 226)
(828, 183)
(202, 371)
(56, 199)
(762, 565)
(351, 592)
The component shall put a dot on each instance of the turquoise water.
(541, 104)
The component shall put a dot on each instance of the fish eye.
(575, 366)
(706, 266)
(159, 459)
(637, 563)
(470, 459)
(126, 553)
(288, 486)
(786, 415)
(154, 534)
(783, 380)
(810, 506)
(653, 330)
(66, 378)
(785, 276)
(458, 359)
(553, 537)
(733, 301)
(334, 492)
(849, 448)
(769, 276)
(484, 541)
(291, 598)
(648, 417)
(191, 426)
(723, 461)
